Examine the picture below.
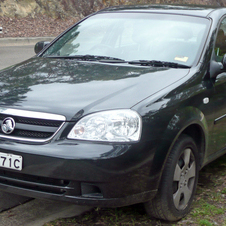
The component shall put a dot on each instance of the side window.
(220, 46)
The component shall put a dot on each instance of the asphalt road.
(33, 212)
(10, 55)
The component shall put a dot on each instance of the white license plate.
(11, 161)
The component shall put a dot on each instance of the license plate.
(11, 161)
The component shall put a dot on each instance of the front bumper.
(81, 172)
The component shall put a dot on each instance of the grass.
(205, 222)
(208, 208)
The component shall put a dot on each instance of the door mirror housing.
(215, 68)
(40, 46)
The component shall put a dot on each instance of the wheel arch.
(196, 132)
(190, 121)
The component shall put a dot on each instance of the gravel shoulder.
(42, 26)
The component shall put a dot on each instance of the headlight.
(115, 126)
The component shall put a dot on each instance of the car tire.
(178, 183)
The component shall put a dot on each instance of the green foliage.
(205, 223)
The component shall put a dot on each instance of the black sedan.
(124, 107)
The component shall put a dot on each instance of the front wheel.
(178, 183)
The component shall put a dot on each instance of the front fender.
(188, 117)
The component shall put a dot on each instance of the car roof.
(192, 10)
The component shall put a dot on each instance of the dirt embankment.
(78, 8)
(32, 18)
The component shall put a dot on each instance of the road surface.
(33, 212)
(10, 55)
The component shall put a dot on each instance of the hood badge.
(8, 125)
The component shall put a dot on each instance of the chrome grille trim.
(31, 114)
(25, 132)
(31, 139)
(34, 128)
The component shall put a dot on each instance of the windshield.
(134, 36)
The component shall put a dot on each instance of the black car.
(124, 107)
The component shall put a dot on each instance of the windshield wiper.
(156, 63)
(103, 59)
(107, 59)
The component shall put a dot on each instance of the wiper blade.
(112, 60)
(103, 59)
(156, 63)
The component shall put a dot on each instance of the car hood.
(67, 87)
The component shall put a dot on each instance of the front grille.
(31, 126)
(39, 122)
(32, 134)
(33, 121)
(36, 183)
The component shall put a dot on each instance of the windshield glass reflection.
(134, 36)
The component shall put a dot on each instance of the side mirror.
(40, 46)
(215, 68)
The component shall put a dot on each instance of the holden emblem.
(8, 125)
